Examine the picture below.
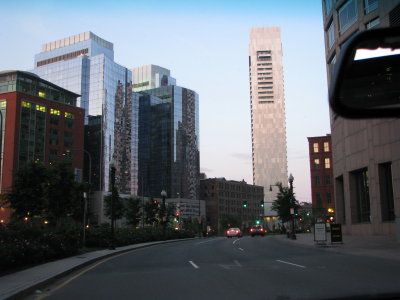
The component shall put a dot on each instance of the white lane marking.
(241, 249)
(289, 263)
(193, 264)
(235, 241)
(237, 263)
(210, 240)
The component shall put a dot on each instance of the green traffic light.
(258, 222)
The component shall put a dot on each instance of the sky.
(205, 45)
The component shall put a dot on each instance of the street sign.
(336, 233)
(319, 232)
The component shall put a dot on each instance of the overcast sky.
(205, 45)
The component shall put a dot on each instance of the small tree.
(117, 205)
(152, 211)
(284, 202)
(132, 211)
(28, 191)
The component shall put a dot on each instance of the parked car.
(233, 232)
(257, 230)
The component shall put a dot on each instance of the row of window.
(319, 200)
(359, 195)
(347, 16)
(317, 163)
(318, 180)
(316, 148)
(63, 57)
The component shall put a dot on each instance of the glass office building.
(169, 142)
(84, 63)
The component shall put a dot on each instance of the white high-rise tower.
(268, 125)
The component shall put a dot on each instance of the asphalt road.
(221, 268)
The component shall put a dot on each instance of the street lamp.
(291, 178)
(164, 218)
(112, 181)
(85, 196)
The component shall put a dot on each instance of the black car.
(257, 230)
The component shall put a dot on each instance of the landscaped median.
(22, 245)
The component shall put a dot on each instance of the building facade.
(268, 124)
(321, 172)
(39, 122)
(366, 156)
(151, 77)
(84, 63)
(168, 144)
(227, 199)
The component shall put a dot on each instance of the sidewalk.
(22, 283)
(376, 246)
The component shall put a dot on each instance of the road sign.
(319, 232)
(336, 233)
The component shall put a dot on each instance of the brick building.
(321, 172)
(39, 121)
(227, 198)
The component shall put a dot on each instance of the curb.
(24, 291)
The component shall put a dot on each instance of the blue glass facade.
(169, 142)
(85, 64)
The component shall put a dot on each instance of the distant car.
(257, 230)
(232, 232)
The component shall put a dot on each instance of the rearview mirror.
(366, 80)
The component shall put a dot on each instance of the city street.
(221, 268)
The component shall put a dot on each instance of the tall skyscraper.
(168, 145)
(84, 63)
(268, 125)
(366, 156)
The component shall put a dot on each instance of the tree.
(152, 211)
(228, 221)
(60, 193)
(284, 202)
(28, 191)
(118, 206)
(132, 211)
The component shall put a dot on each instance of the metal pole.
(112, 246)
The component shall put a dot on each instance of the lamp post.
(164, 217)
(112, 181)
(85, 196)
(291, 178)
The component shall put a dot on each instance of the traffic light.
(262, 203)
(258, 222)
(155, 202)
(245, 204)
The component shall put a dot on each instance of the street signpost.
(336, 233)
(320, 233)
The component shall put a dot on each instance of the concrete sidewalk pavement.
(16, 285)
(376, 246)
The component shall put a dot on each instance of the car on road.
(257, 230)
(233, 232)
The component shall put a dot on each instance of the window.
(315, 146)
(328, 7)
(359, 189)
(53, 137)
(332, 67)
(54, 116)
(347, 15)
(316, 164)
(317, 180)
(327, 163)
(373, 23)
(69, 120)
(328, 198)
(326, 147)
(340, 203)
(370, 5)
(386, 191)
(328, 179)
(331, 35)
(67, 139)
(53, 155)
